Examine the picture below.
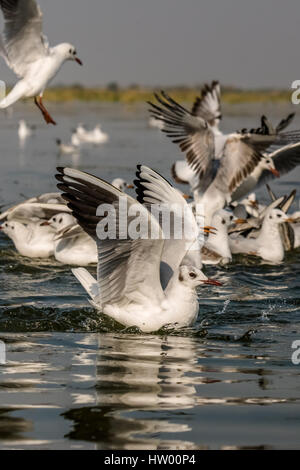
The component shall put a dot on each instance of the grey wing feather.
(126, 267)
(193, 134)
(208, 105)
(23, 41)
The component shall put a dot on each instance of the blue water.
(73, 379)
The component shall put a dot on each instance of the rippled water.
(74, 379)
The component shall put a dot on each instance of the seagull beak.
(130, 186)
(1, 228)
(78, 61)
(240, 221)
(290, 220)
(209, 229)
(187, 196)
(212, 282)
(45, 224)
(275, 172)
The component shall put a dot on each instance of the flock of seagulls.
(81, 137)
(150, 281)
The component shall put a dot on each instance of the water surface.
(74, 379)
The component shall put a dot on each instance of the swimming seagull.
(268, 245)
(71, 244)
(24, 131)
(31, 239)
(121, 184)
(66, 149)
(95, 136)
(216, 249)
(128, 287)
(27, 53)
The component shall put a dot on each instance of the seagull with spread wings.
(218, 175)
(128, 286)
(27, 53)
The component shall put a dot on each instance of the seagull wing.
(182, 173)
(128, 269)
(238, 161)
(152, 189)
(208, 105)
(193, 134)
(23, 42)
(28, 211)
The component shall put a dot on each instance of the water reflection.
(138, 375)
(154, 393)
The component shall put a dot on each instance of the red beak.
(78, 61)
(275, 173)
(45, 224)
(212, 282)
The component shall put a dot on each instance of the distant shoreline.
(182, 94)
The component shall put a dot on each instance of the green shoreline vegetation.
(135, 94)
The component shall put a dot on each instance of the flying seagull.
(28, 54)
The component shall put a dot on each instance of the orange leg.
(46, 115)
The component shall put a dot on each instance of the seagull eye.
(60, 221)
(192, 275)
(54, 220)
(70, 51)
(74, 52)
(278, 215)
(223, 222)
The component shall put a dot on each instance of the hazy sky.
(245, 43)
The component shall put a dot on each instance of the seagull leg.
(46, 115)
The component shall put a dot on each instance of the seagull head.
(60, 221)
(13, 229)
(69, 52)
(268, 164)
(193, 277)
(277, 216)
(121, 184)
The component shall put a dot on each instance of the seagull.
(121, 184)
(24, 131)
(273, 165)
(128, 287)
(31, 239)
(207, 106)
(95, 136)
(71, 244)
(268, 245)
(220, 172)
(183, 173)
(66, 149)
(216, 249)
(27, 53)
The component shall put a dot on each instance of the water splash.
(226, 303)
